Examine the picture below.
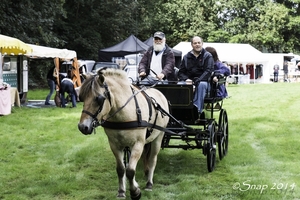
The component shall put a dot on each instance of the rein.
(132, 96)
(131, 124)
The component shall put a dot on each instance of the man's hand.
(143, 74)
(160, 76)
(215, 79)
(189, 81)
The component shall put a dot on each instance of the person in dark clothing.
(276, 70)
(158, 62)
(51, 79)
(67, 86)
(285, 71)
(196, 67)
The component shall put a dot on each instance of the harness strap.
(138, 110)
(134, 124)
(90, 114)
(132, 96)
(149, 104)
(124, 125)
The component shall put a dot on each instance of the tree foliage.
(89, 25)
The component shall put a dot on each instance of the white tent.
(234, 53)
(48, 52)
(63, 54)
(230, 52)
(279, 58)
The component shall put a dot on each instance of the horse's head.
(96, 98)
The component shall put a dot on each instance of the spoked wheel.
(211, 147)
(223, 134)
(127, 154)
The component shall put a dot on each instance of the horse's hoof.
(138, 196)
(149, 186)
(121, 195)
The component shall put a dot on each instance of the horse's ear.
(101, 77)
(85, 76)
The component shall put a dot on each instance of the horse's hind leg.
(136, 152)
(152, 160)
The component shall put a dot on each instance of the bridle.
(100, 101)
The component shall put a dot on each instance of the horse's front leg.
(121, 172)
(136, 153)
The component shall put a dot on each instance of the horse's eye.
(100, 99)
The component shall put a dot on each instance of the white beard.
(159, 47)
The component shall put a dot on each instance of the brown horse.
(127, 113)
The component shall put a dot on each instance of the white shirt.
(67, 79)
(156, 63)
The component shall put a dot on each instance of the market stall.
(9, 95)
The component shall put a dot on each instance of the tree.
(93, 25)
(31, 21)
(264, 24)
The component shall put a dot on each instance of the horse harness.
(131, 124)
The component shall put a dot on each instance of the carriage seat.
(215, 87)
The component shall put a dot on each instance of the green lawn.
(44, 156)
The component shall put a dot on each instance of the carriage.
(164, 113)
(208, 134)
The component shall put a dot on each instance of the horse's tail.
(153, 136)
(146, 155)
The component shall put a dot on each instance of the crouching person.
(67, 86)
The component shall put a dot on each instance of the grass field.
(43, 155)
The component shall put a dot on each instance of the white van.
(131, 67)
(85, 66)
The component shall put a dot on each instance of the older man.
(158, 62)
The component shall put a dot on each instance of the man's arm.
(169, 64)
(142, 69)
(209, 63)
(182, 73)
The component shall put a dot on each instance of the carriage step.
(201, 121)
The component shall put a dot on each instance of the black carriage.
(209, 133)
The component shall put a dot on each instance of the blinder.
(100, 101)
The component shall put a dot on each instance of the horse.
(132, 117)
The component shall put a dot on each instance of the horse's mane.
(92, 84)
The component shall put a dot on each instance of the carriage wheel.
(223, 134)
(211, 148)
(127, 154)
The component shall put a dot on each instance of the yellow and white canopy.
(13, 46)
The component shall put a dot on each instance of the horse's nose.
(86, 130)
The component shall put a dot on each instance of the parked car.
(99, 65)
